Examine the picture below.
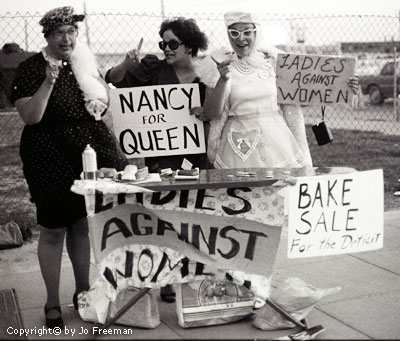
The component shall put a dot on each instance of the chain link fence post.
(395, 84)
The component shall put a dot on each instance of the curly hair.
(188, 33)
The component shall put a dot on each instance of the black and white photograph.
(199, 170)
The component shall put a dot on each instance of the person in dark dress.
(59, 97)
(181, 42)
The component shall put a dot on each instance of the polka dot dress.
(51, 151)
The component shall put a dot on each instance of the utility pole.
(162, 10)
(396, 97)
(26, 36)
(395, 85)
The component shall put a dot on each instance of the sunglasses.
(236, 34)
(173, 44)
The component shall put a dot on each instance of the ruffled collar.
(50, 59)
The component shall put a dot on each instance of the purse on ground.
(143, 314)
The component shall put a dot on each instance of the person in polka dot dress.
(59, 122)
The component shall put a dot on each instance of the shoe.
(53, 323)
(168, 296)
(75, 300)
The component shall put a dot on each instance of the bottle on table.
(89, 161)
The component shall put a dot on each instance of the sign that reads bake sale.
(156, 120)
(336, 214)
(314, 79)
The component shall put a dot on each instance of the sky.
(384, 7)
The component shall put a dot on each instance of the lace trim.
(294, 118)
(299, 159)
(219, 164)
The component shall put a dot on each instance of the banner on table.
(336, 214)
(155, 120)
(172, 237)
(314, 79)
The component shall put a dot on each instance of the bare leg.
(50, 249)
(78, 247)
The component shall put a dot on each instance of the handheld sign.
(314, 79)
(156, 120)
(160, 238)
(221, 242)
(336, 214)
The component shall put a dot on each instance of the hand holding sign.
(354, 84)
(199, 113)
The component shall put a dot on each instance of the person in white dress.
(249, 128)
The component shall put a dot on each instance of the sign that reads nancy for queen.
(336, 214)
(155, 120)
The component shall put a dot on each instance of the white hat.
(234, 17)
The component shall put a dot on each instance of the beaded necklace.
(243, 66)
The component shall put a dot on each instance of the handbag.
(143, 314)
(10, 236)
(321, 131)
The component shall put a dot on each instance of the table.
(217, 205)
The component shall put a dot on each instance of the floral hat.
(58, 17)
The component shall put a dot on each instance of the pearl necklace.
(243, 67)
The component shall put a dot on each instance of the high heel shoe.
(53, 323)
(75, 300)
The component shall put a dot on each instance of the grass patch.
(362, 150)
(14, 204)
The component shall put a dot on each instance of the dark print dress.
(51, 150)
(153, 71)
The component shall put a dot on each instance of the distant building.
(331, 49)
(378, 47)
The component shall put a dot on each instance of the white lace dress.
(253, 130)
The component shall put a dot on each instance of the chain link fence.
(373, 40)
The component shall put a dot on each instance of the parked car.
(380, 86)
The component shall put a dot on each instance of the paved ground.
(367, 307)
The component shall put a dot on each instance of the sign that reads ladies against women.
(314, 79)
(155, 120)
(336, 214)
(176, 236)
